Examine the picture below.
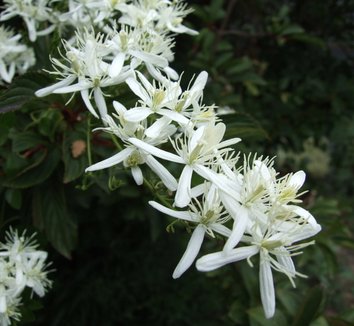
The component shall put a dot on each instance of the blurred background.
(283, 73)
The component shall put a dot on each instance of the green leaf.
(74, 155)
(292, 29)
(35, 173)
(24, 140)
(257, 318)
(22, 90)
(309, 308)
(51, 214)
(6, 123)
(13, 198)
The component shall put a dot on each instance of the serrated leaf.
(51, 214)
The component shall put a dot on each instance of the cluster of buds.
(21, 266)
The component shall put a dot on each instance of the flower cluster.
(21, 266)
(14, 56)
(219, 192)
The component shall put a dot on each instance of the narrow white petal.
(137, 114)
(119, 107)
(171, 73)
(150, 58)
(218, 259)
(191, 252)
(239, 227)
(137, 175)
(286, 261)
(100, 102)
(303, 213)
(196, 138)
(113, 160)
(221, 181)
(266, 287)
(117, 65)
(221, 229)
(159, 126)
(155, 151)
(73, 88)
(183, 194)
(174, 116)
(48, 90)
(86, 99)
(182, 215)
(137, 89)
(166, 177)
(3, 305)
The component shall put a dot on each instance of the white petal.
(85, 97)
(183, 194)
(113, 160)
(166, 177)
(117, 65)
(119, 107)
(221, 229)
(182, 215)
(196, 138)
(150, 58)
(286, 261)
(238, 229)
(137, 175)
(171, 73)
(73, 88)
(100, 102)
(266, 287)
(303, 213)
(155, 151)
(191, 252)
(155, 130)
(218, 259)
(137, 89)
(174, 116)
(48, 90)
(137, 114)
(3, 305)
(298, 179)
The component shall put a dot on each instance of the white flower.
(209, 215)
(133, 157)
(14, 56)
(88, 67)
(197, 149)
(268, 242)
(33, 12)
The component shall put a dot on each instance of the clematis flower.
(275, 249)
(14, 56)
(196, 150)
(132, 156)
(33, 12)
(209, 217)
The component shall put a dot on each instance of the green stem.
(156, 194)
(88, 140)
